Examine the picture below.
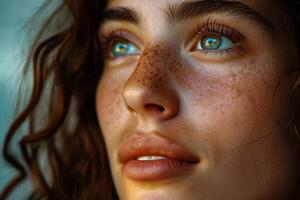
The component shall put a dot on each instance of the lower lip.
(156, 170)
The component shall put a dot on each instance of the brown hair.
(66, 67)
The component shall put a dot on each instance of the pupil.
(211, 42)
(120, 48)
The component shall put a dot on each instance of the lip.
(179, 160)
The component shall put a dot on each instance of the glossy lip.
(178, 158)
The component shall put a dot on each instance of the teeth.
(151, 158)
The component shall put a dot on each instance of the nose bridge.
(148, 90)
(151, 70)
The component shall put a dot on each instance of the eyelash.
(210, 26)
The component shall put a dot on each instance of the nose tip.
(161, 106)
(149, 90)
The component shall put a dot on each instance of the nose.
(148, 92)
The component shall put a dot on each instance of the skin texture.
(221, 108)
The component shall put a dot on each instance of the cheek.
(108, 105)
(111, 110)
(235, 107)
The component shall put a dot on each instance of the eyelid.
(108, 36)
(217, 27)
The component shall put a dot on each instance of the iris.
(123, 48)
(212, 42)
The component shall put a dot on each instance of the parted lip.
(153, 145)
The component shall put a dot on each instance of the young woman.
(178, 99)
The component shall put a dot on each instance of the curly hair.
(66, 66)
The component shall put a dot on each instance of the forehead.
(152, 15)
(154, 7)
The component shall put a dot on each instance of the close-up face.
(194, 99)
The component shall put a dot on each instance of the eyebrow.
(120, 14)
(176, 13)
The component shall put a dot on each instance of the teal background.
(13, 41)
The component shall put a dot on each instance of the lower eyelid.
(222, 55)
(216, 52)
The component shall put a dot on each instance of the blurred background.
(14, 14)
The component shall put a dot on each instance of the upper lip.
(153, 145)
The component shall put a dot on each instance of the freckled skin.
(226, 113)
(150, 71)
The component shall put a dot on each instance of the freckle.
(259, 70)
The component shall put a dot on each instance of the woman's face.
(194, 84)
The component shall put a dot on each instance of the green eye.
(123, 48)
(212, 42)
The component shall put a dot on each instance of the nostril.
(154, 107)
